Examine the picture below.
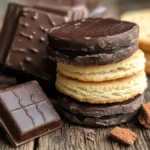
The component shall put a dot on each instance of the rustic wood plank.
(72, 137)
(5, 145)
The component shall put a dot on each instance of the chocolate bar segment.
(28, 50)
(8, 29)
(26, 113)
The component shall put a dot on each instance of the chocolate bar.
(8, 29)
(71, 13)
(27, 53)
(26, 113)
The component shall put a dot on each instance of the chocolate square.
(28, 49)
(26, 113)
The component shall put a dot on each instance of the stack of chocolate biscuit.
(100, 70)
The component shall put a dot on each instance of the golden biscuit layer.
(142, 18)
(126, 68)
(102, 92)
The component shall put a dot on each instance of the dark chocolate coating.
(100, 57)
(93, 34)
(99, 115)
(27, 53)
(8, 29)
(98, 122)
(101, 110)
(26, 113)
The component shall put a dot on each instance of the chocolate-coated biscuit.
(100, 110)
(98, 122)
(93, 58)
(93, 34)
(99, 115)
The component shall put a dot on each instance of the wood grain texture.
(5, 145)
(72, 137)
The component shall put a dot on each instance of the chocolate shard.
(93, 34)
(71, 13)
(27, 53)
(8, 29)
(26, 113)
(123, 135)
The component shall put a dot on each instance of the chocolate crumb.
(123, 135)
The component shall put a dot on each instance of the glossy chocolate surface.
(26, 113)
(93, 34)
(28, 49)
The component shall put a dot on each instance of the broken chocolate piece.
(27, 53)
(26, 113)
(144, 116)
(123, 135)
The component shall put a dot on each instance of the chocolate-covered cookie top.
(93, 34)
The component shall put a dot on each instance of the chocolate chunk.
(8, 29)
(70, 13)
(98, 115)
(28, 49)
(89, 58)
(123, 135)
(106, 34)
(144, 116)
(26, 113)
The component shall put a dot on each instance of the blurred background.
(116, 7)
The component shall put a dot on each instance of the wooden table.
(72, 137)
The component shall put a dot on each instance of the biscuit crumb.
(123, 135)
